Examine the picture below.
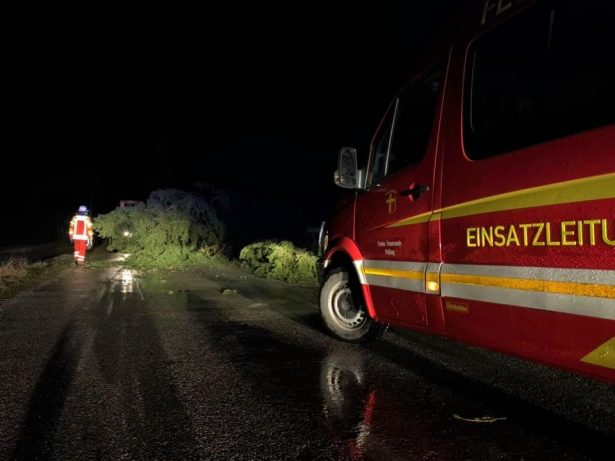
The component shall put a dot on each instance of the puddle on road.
(348, 402)
(356, 407)
(127, 282)
(373, 412)
(367, 417)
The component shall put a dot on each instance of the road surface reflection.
(348, 401)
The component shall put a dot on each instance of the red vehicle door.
(392, 214)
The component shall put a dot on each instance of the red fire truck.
(486, 209)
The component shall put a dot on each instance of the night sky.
(108, 103)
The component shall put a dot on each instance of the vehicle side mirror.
(347, 174)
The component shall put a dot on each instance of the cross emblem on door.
(391, 201)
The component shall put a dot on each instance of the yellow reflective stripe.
(603, 355)
(419, 218)
(546, 286)
(578, 190)
(414, 275)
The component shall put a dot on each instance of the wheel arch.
(344, 253)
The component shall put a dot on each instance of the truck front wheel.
(343, 309)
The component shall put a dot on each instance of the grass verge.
(17, 273)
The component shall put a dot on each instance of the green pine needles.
(172, 228)
(280, 260)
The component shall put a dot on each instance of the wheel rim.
(346, 311)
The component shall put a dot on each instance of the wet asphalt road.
(111, 364)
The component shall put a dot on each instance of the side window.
(414, 118)
(405, 135)
(380, 150)
(543, 75)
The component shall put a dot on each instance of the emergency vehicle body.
(486, 210)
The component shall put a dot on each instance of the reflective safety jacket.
(81, 228)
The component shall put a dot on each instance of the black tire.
(343, 309)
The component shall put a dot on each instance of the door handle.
(414, 191)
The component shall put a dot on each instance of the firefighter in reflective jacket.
(81, 233)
